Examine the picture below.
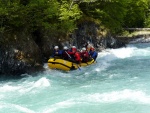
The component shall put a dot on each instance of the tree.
(69, 14)
(62, 15)
(136, 13)
(110, 13)
(147, 19)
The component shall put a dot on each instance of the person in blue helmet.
(93, 53)
(57, 52)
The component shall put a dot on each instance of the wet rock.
(113, 42)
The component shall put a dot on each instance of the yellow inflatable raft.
(57, 63)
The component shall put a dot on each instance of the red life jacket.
(77, 57)
(85, 56)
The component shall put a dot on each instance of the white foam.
(109, 97)
(59, 105)
(97, 69)
(25, 86)
(116, 96)
(31, 86)
(45, 66)
(112, 54)
(23, 109)
(122, 52)
(43, 82)
(16, 108)
(86, 73)
(9, 88)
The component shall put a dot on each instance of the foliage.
(109, 12)
(35, 14)
(117, 14)
(69, 14)
(136, 13)
(147, 19)
(62, 16)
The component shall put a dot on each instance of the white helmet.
(73, 47)
(65, 47)
(56, 47)
(83, 48)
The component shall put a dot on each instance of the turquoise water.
(118, 83)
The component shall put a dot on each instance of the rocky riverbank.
(24, 52)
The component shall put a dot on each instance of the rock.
(140, 39)
(90, 32)
(19, 54)
(114, 42)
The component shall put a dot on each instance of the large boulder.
(19, 54)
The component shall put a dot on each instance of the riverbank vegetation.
(63, 16)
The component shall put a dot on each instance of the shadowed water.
(117, 83)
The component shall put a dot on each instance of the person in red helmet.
(71, 53)
(75, 55)
(85, 55)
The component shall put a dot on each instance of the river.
(118, 83)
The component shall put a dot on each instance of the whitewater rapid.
(117, 83)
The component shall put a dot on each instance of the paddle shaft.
(68, 54)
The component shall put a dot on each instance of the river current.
(118, 83)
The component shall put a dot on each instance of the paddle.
(71, 58)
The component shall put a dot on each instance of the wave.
(117, 96)
(127, 95)
(12, 108)
(122, 53)
(26, 86)
(110, 97)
